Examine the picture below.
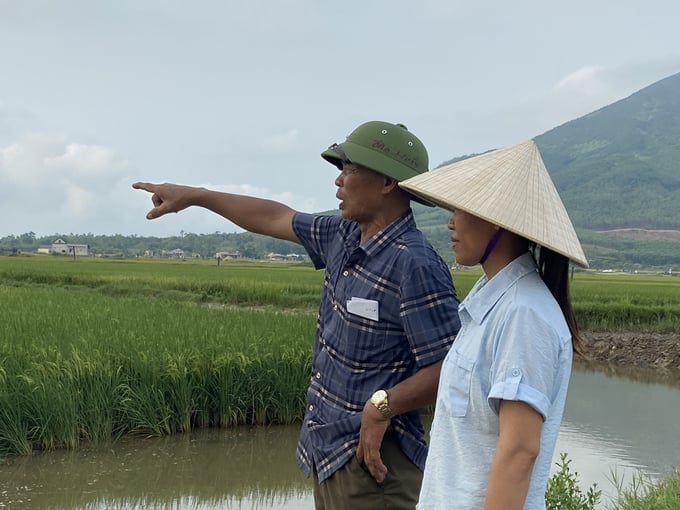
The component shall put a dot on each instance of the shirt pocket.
(457, 383)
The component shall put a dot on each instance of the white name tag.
(367, 308)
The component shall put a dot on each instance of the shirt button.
(318, 375)
(516, 372)
(335, 307)
(311, 407)
(345, 273)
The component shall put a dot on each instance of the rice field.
(93, 349)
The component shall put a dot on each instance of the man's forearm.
(417, 391)
(256, 215)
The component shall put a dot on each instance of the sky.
(244, 96)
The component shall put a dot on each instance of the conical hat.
(508, 187)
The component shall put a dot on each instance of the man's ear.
(389, 184)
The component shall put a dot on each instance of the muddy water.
(615, 427)
(244, 468)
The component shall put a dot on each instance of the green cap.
(390, 149)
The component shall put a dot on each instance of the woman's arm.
(519, 442)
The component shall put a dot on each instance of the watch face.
(379, 396)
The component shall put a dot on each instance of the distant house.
(291, 257)
(61, 247)
(228, 255)
(177, 253)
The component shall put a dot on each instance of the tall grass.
(643, 494)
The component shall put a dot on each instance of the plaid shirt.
(354, 355)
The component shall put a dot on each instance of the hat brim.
(374, 161)
(510, 188)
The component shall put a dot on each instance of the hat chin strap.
(492, 242)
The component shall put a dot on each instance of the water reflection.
(619, 423)
(614, 426)
(237, 469)
(641, 375)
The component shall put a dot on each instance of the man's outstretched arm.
(256, 215)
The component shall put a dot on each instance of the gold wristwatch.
(379, 400)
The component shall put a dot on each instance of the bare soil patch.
(660, 351)
(643, 234)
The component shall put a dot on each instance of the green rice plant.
(226, 384)
(98, 383)
(94, 349)
(625, 317)
(601, 301)
(627, 302)
(181, 388)
(49, 406)
(14, 431)
(243, 284)
(230, 386)
(144, 407)
(95, 366)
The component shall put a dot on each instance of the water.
(616, 426)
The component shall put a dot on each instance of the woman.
(504, 382)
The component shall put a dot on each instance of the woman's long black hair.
(554, 270)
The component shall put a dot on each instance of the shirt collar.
(391, 232)
(383, 238)
(485, 293)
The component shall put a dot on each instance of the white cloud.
(590, 88)
(580, 92)
(586, 81)
(84, 160)
(50, 185)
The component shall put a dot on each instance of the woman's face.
(470, 236)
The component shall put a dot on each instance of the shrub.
(564, 493)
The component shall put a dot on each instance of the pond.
(616, 426)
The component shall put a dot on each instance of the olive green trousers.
(353, 488)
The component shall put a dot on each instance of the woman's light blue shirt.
(514, 344)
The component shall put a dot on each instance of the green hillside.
(615, 168)
(619, 167)
(603, 251)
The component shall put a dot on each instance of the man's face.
(359, 192)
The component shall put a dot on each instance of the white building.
(60, 247)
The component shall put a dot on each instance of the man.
(387, 317)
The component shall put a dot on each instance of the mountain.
(619, 167)
(617, 170)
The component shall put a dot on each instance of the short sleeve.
(429, 312)
(316, 233)
(526, 363)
